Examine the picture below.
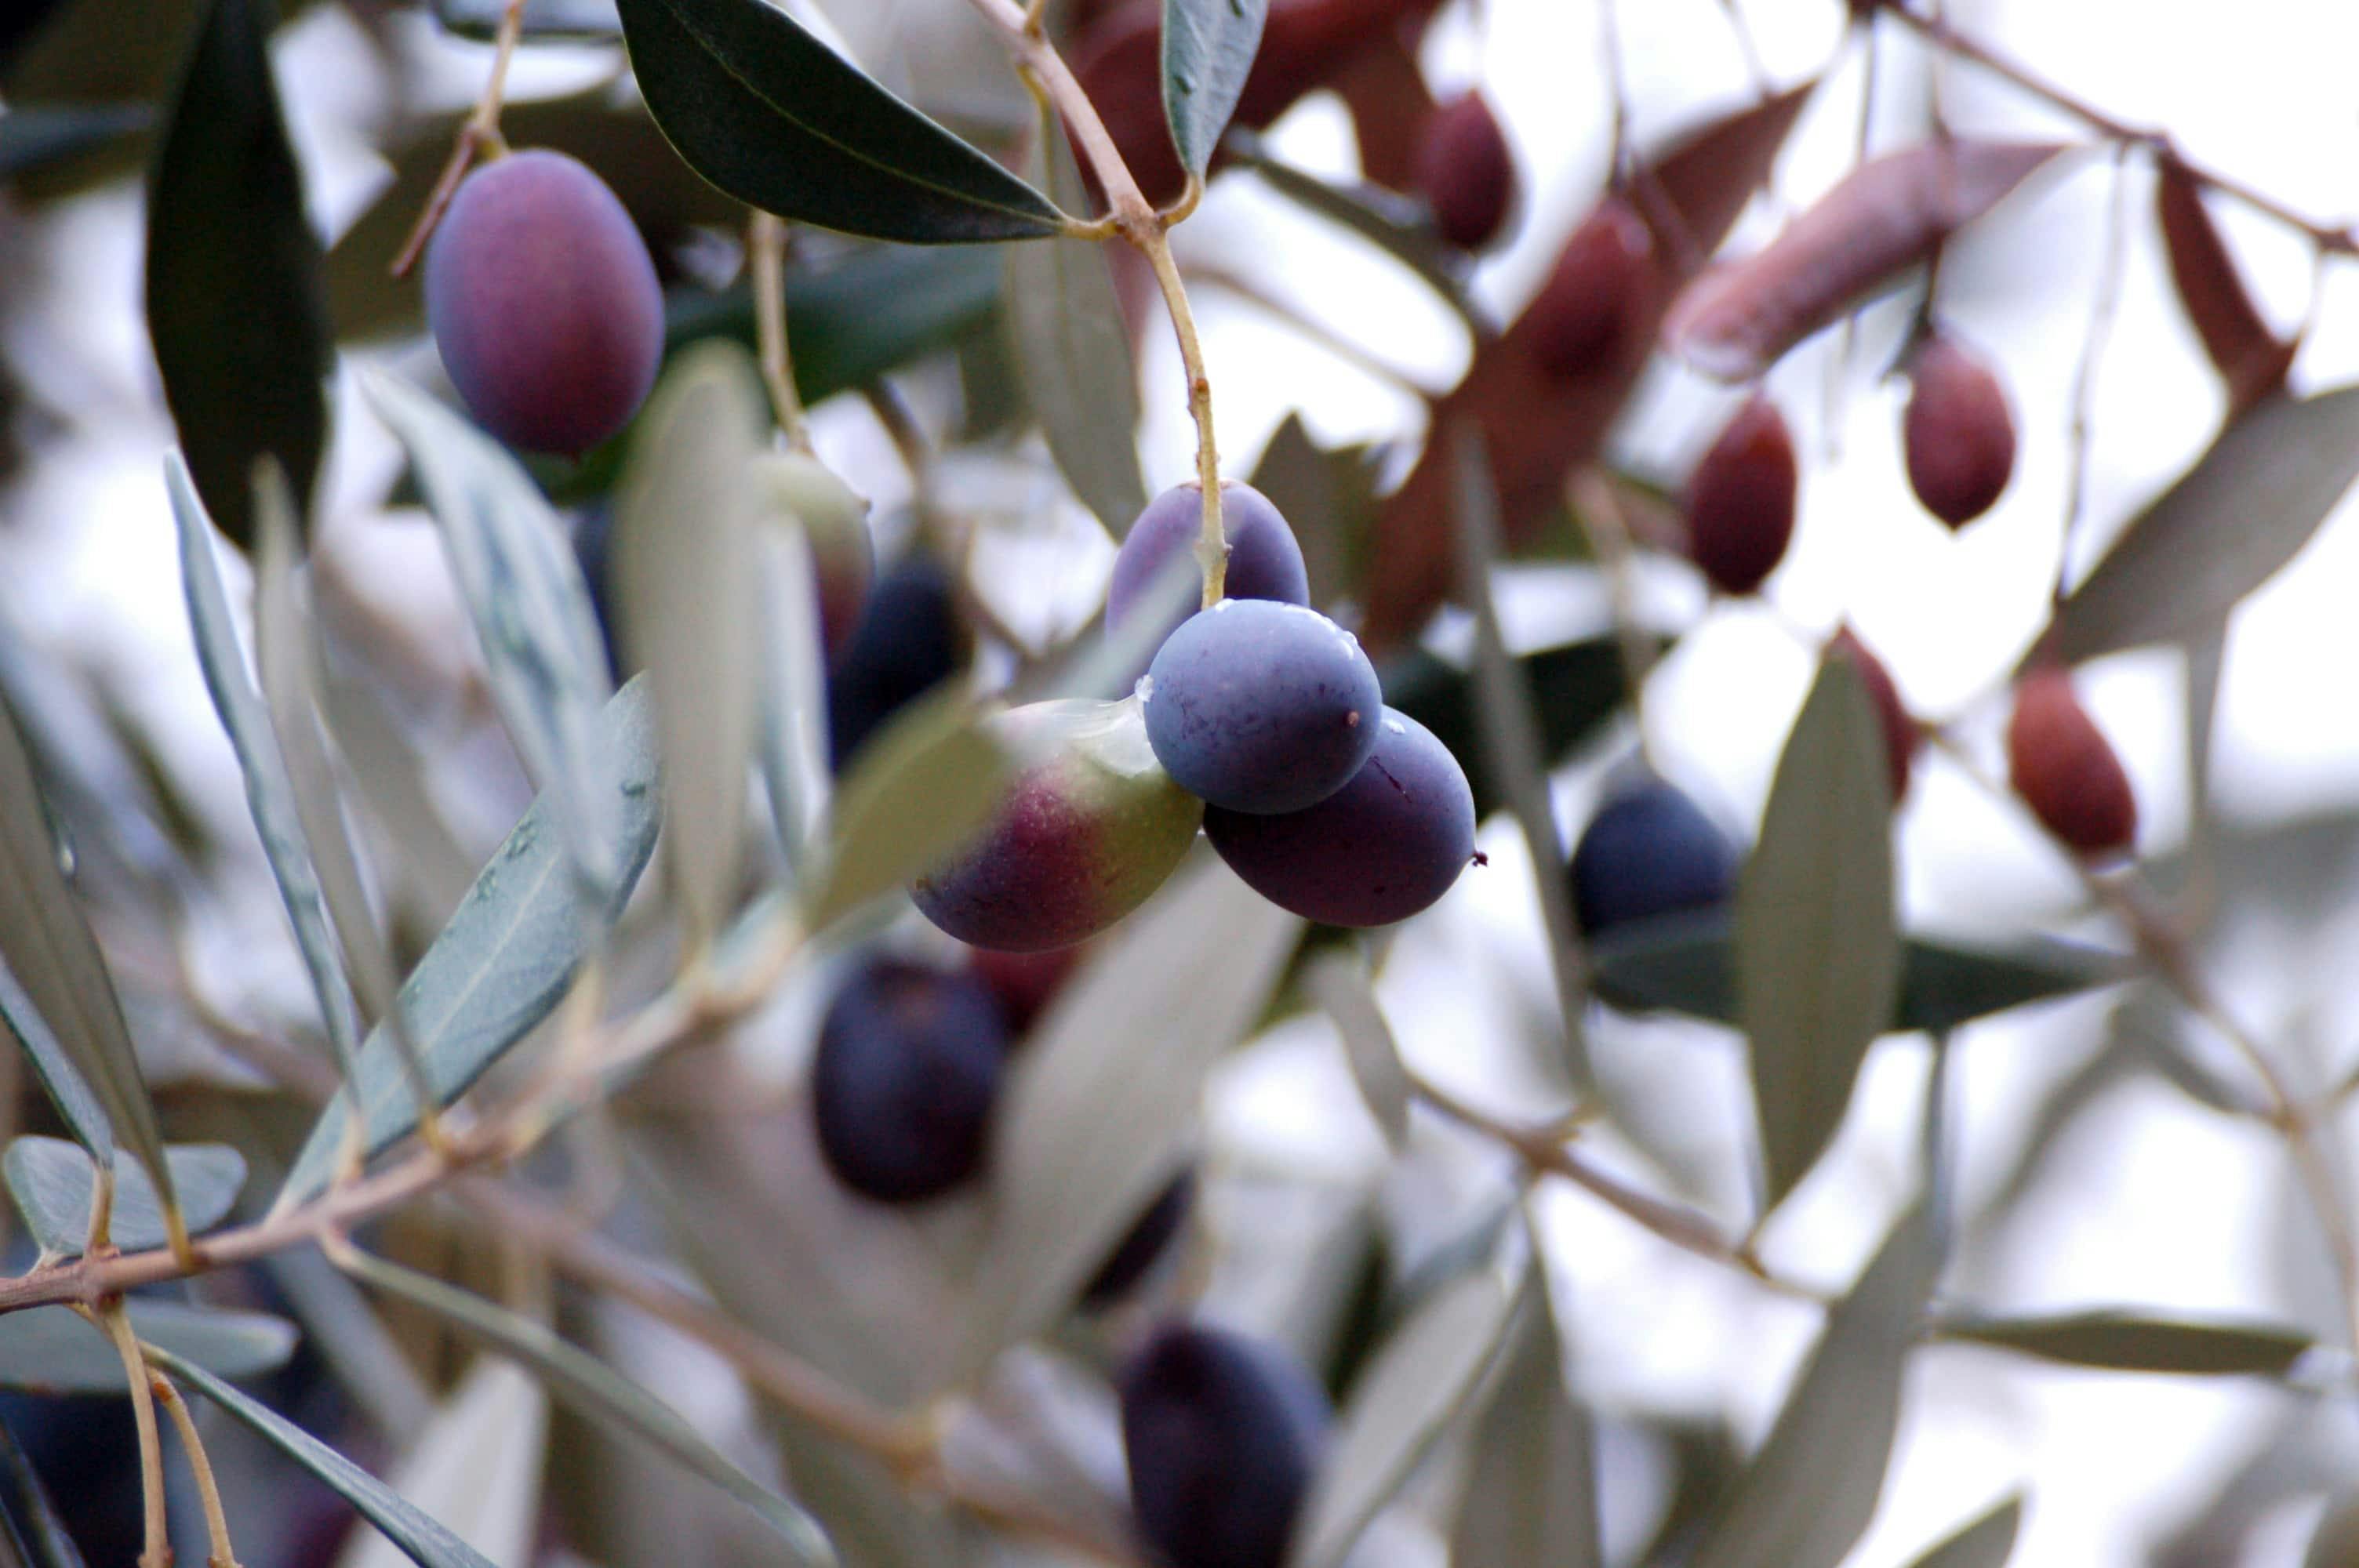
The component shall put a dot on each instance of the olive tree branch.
(1544, 1152)
(1936, 30)
(1135, 219)
(481, 133)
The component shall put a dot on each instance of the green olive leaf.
(1208, 51)
(236, 290)
(773, 116)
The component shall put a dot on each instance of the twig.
(2102, 311)
(909, 1444)
(208, 1493)
(2129, 900)
(1682, 1228)
(765, 251)
(1600, 517)
(1934, 30)
(482, 131)
(677, 1015)
(156, 1551)
(1131, 216)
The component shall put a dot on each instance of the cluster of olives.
(1259, 720)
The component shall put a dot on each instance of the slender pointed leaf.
(391, 777)
(1817, 959)
(1985, 1542)
(598, 1394)
(284, 646)
(532, 611)
(1886, 215)
(2250, 357)
(50, 951)
(1514, 750)
(1398, 225)
(766, 113)
(1093, 1119)
(1684, 963)
(1074, 352)
(52, 1180)
(1208, 51)
(1328, 498)
(2228, 524)
(915, 793)
(424, 1541)
(1420, 1379)
(685, 574)
(1338, 981)
(2128, 1342)
(53, 1350)
(505, 960)
(269, 794)
(69, 1092)
(32, 1516)
(1532, 1496)
(477, 1467)
(1811, 1488)
(794, 696)
(236, 290)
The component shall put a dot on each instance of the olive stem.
(155, 1550)
(1939, 32)
(1132, 216)
(220, 1554)
(482, 131)
(1682, 1228)
(765, 249)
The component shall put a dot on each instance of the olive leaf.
(237, 291)
(1208, 51)
(1073, 352)
(2130, 1342)
(270, 797)
(52, 1181)
(1817, 959)
(685, 578)
(1811, 1489)
(424, 1541)
(2228, 524)
(767, 113)
(52, 1350)
(505, 959)
(53, 957)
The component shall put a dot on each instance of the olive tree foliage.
(435, 1144)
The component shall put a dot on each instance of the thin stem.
(156, 1551)
(675, 1016)
(794, 1384)
(766, 249)
(1682, 1228)
(1135, 219)
(2164, 947)
(1936, 30)
(1601, 519)
(1212, 545)
(2102, 311)
(481, 133)
(220, 1554)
